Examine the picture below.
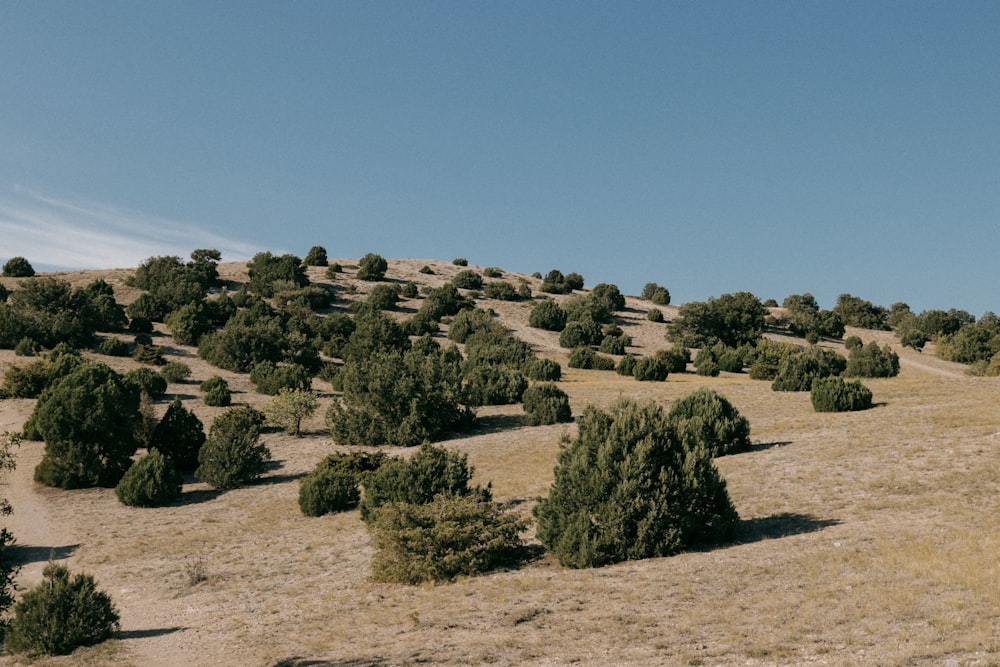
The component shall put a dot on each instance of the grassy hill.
(865, 538)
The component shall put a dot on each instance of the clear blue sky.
(711, 147)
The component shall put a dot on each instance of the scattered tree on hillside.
(734, 319)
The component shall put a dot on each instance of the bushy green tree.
(88, 420)
(444, 539)
(502, 290)
(175, 371)
(179, 436)
(334, 484)
(233, 454)
(268, 272)
(579, 333)
(797, 371)
(49, 311)
(290, 407)
(316, 256)
(18, 267)
(857, 312)
(872, 361)
(149, 381)
(488, 384)
(657, 294)
(189, 323)
(216, 390)
(734, 319)
(630, 487)
(586, 358)
(270, 379)
(61, 613)
(710, 421)
(372, 267)
(649, 369)
(468, 322)
(383, 297)
(151, 481)
(468, 279)
(833, 394)
(430, 472)
(675, 358)
(546, 403)
(248, 338)
(655, 315)
(543, 370)
(972, 343)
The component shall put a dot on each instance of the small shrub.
(60, 614)
(149, 381)
(547, 315)
(179, 436)
(581, 333)
(872, 361)
(18, 267)
(796, 372)
(833, 394)
(148, 354)
(501, 291)
(730, 360)
(426, 270)
(316, 256)
(675, 358)
(152, 481)
(492, 272)
(488, 384)
(333, 486)
(175, 371)
(113, 347)
(649, 369)
(140, 325)
(409, 290)
(585, 358)
(332, 270)
(372, 267)
(233, 454)
(712, 421)
(444, 539)
(708, 368)
(543, 370)
(460, 261)
(546, 404)
(27, 347)
(383, 297)
(216, 391)
(467, 280)
(270, 379)
(627, 364)
(615, 344)
(654, 315)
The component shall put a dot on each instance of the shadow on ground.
(307, 662)
(145, 634)
(24, 554)
(779, 525)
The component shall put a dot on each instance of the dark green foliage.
(409, 290)
(205, 265)
(269, 378)
(657, 294)
(708, 367)
(872, 361)
(316, 256)
(546, 403)
(654, 315)
(18, 267)
(431, 471)
(269, 273)
(501, 291)
(233, 454)
(4, 293)
(496, 347)
(711, 421)
(374, 332)
(383, 297)
(333, 486)
(179, 436)
(333, 270)
(216, 391)
(734, 319)
(581, 333)
(460, 261)
(372, 267)
(556, 283)
(60, 614)
(175, 371)
(113, 347)
(856, 312)
(730, 360)
(444, 301)
(29, 381)
(27, 347)
(649, 369)
(171, 284)
(488, 384)
(627, 365)
(675, 358)
(797, 371)
(492, 272)
(108, 314)
(152, 481)
(586, 358)
(615, 344)
(140, 325)
(807, 320)
(766, 358)
(468, 279)
(444, 539)
(148, 381)
(914, 338)
(426, 270)
(853, 342)
(468, 322)
(146, 353)
(938, 323)
(547, 315)
(629, 487)
(399, 397)
(543, 370)
(48, 311)
(8, 568)
(573, 281)
(608, 297)
(833, 394)
(88, 419)
(976, 342)
(249, 337)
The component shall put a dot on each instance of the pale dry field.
(868, 538)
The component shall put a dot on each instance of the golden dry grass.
(865, 538)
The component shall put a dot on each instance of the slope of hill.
(865, 538)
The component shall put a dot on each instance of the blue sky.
(711, 147)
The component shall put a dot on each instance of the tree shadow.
(146, 634)
(761, 446)
(196, 497)
(24, 554)
(279, 479)
(497, 423)
(350, 662)
(784, 524)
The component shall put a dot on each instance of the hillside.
(865, 538)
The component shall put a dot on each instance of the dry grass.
(866, 538)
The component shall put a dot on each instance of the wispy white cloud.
(58, 233)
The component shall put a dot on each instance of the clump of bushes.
(543, 370)
(270, 379)
(233, 454)
(547, 315)
(610, 500)
(334, 484)
(649, 369)
(216, 391)
(175, 371)
(654, 315)
(468, 279)
(675, 358)
(61, 613)
(872, 361)
(711, 421)
(546, 403)
(113, 347)
(797, 371)
(657, 294)
(586, 358)
(152, 481)
(834, 394)
(372, 267)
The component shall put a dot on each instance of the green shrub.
(269, 378)
(657, 294)
(460, 261)
(833, 394)
(140, 325)
(25, 382)
(543, 370)
(148, 381)
(492, 272)
(501, 291)
(409, 290)
(467, 322)
(735, 319)
(730, 360)
(708, 368)
(290, 407)
(654, 315)
(627, 365)
(615, 344)
(796, 372)
(18, 267)
(216, 391)
(431, 471)
(586, 358)
(268, 273)
(444, 539)
(333, 486)
(426, 270)
(856, 312)
(179, 435)
(649, 369)
(468, 279)
(233, 454)
(9, 568)
(332, 270)
(148, 354)
(189, 323)
(547, 315)
(152, 481)
(546, 403)
(914, 338)
(113, 347)
(581, 333)
(628, 487)
(60, 614)
(675, 358)
(175, 371)
(27, 347)
(555, 283)
(488, 384)
(710, 420)
(316, 256)
(372, 267)
(872, 361)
